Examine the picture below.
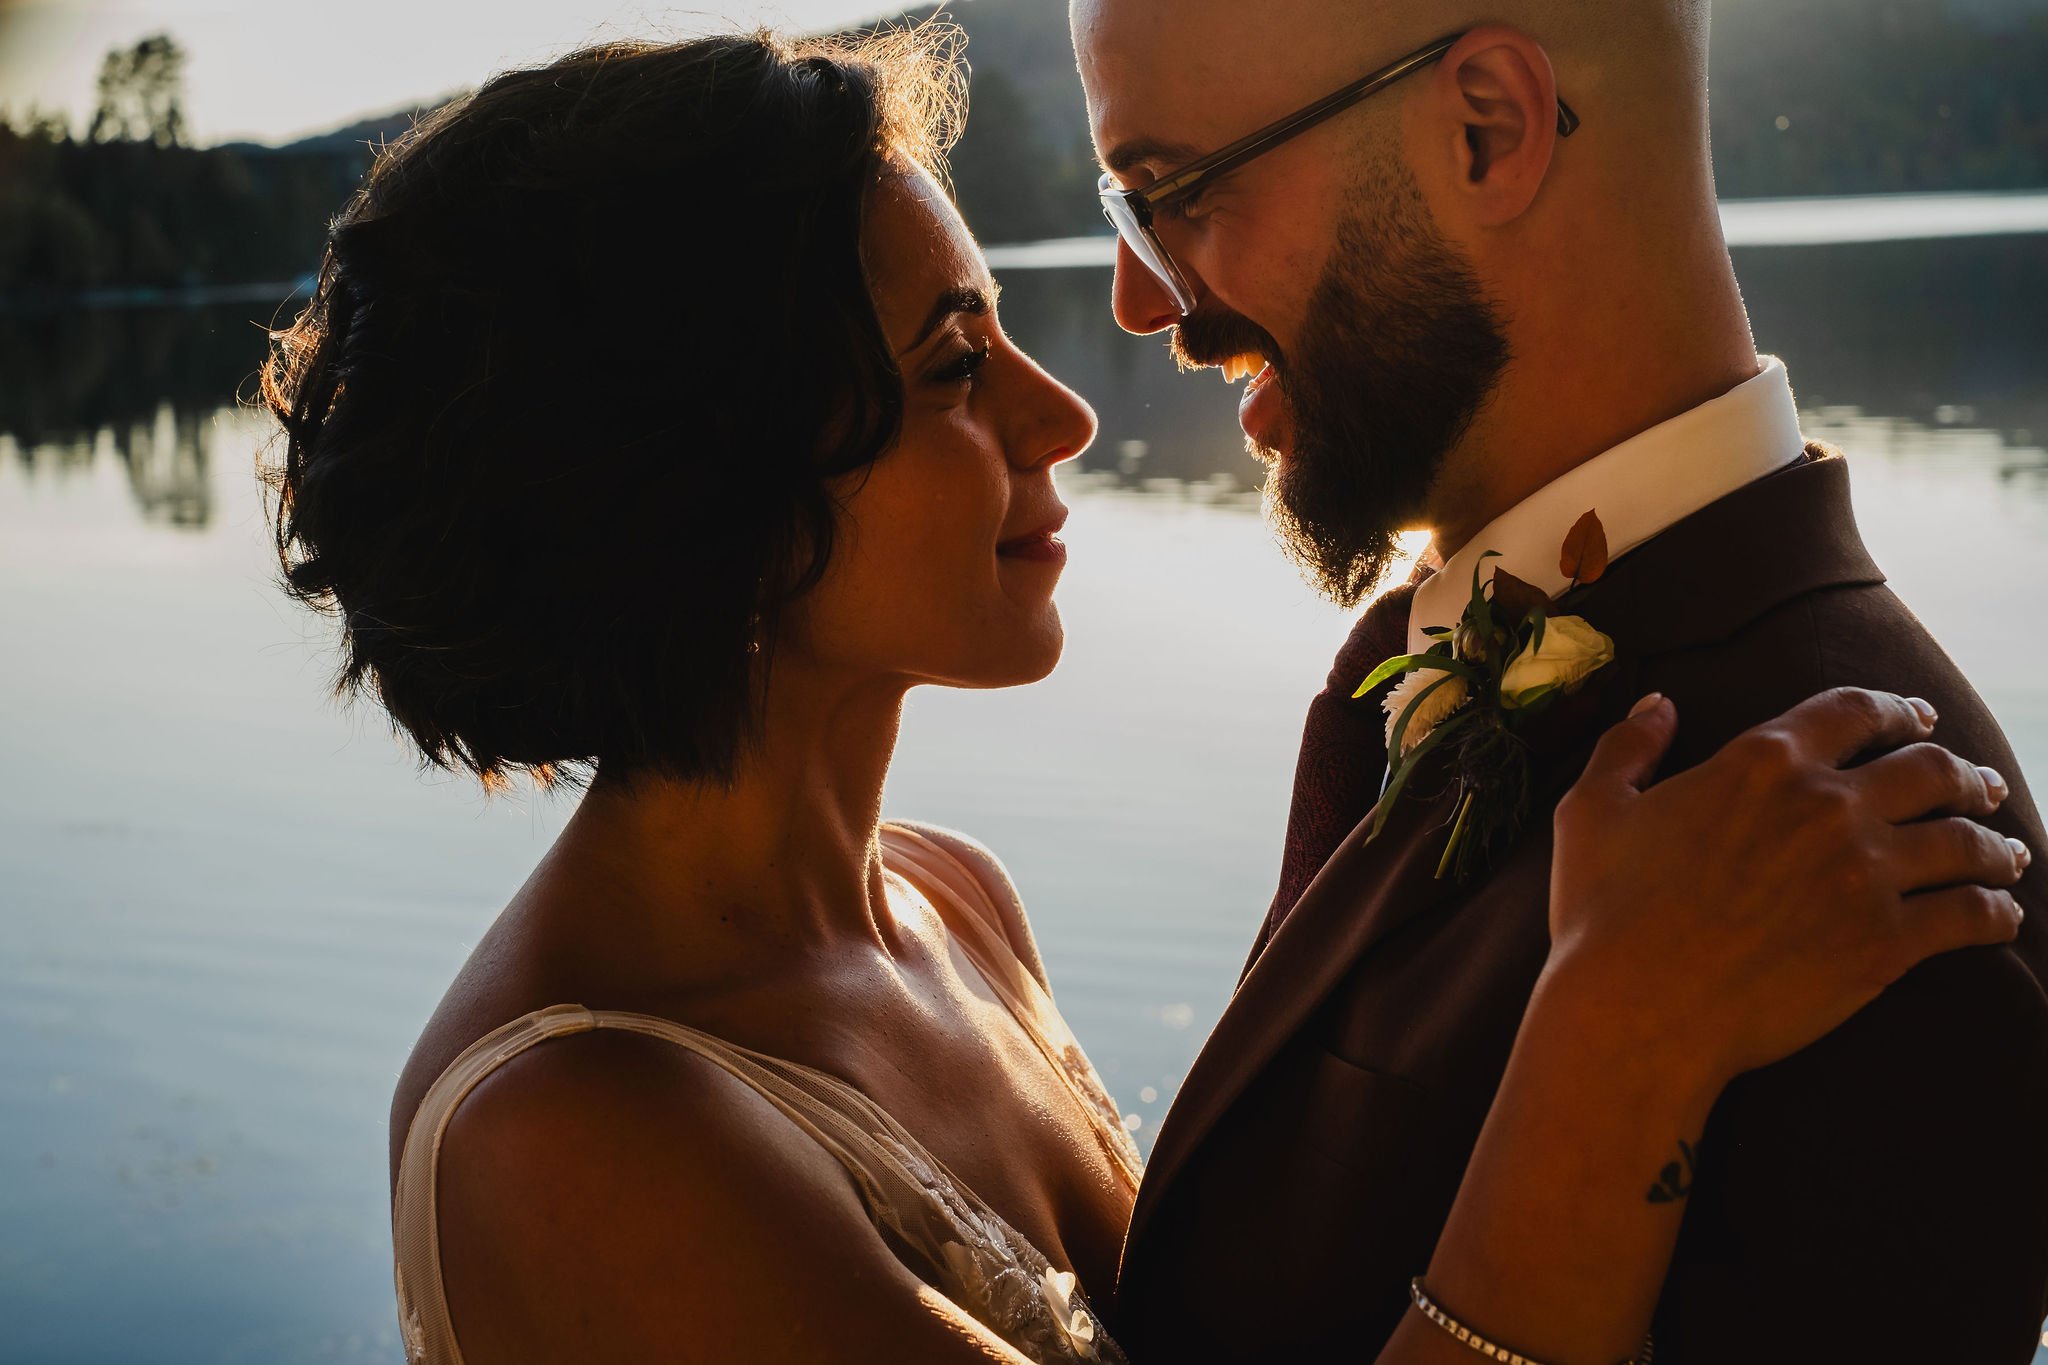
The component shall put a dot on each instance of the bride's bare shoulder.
(995, 879)
(608, 1195)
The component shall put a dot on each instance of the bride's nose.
(1053, 424)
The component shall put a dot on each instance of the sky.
(273, 70)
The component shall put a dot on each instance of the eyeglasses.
(1131, 212)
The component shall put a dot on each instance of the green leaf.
(1408, 663)
(1542, 619)
(1530, 700)
(1478, 601)
(1408, 766)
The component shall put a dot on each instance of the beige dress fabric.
(935, 1224)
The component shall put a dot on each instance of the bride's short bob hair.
(589, 354)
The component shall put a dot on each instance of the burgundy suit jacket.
(1881, 1196)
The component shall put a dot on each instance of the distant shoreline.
(1828, 220)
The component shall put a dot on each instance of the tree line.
(1819, 97)
(129, 203)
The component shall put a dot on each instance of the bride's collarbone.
(971, 1087)
(911, 1032)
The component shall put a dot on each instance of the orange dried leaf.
(1585, 550)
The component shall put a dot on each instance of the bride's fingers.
(1926, 779)
(1955, 917)
(1627, 755)
(1835, 726)
(1954, 851)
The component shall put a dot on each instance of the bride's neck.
(783, 857)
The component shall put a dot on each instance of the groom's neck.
(1631, 338)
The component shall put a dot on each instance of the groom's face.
(1320, 259)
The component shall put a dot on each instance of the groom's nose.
(1141, 302)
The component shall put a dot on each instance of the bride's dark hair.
(588, 351)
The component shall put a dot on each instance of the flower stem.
(1457, 832)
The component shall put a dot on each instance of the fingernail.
(1992, 779)
(1926, 709)
(1645, 704)
(2021, 853)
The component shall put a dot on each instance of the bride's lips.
(1042, 545)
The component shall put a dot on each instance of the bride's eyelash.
(962, 369)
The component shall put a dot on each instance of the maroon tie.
(1343, 752)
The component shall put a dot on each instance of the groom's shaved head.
(1247, 64)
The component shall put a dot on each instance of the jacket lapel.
(1704, 578)
(1363, 892)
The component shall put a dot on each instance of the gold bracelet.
(1490, 1349)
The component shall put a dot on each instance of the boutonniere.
(1510, 656)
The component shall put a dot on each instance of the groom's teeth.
(1238, 366)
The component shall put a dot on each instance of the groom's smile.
(1240, 350)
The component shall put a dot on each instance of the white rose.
(1571, 651)
(1435, 707)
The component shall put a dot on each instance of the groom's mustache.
(1204, 339)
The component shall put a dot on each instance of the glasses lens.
(1145, 246)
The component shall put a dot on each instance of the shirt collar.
(1638, 488)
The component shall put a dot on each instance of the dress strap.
(970, 912)
(415, 1226)
(894, 1175)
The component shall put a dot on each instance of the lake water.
(227, 907)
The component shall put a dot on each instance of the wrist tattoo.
(1674, 1182)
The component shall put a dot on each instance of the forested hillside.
(1810, 97)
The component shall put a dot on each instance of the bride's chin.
(1032, 660)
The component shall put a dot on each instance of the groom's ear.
(1492, 123)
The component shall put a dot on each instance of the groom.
(1484, 295)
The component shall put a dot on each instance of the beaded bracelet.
(1492, 1350)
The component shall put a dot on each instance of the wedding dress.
(937, 1226)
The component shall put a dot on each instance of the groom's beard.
(1400, 350)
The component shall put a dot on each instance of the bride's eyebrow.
(969, 299)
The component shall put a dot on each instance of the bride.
(652, 427)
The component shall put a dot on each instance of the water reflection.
(166, 458)
(228, 908)
(1928, 331)
(139, 387)
(1932, 332)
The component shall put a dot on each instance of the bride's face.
(947, 551)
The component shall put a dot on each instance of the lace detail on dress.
(409, 1324)
(1088, 1083)
(998, 1276)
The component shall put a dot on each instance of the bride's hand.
(1743, 908)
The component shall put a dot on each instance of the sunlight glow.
(272, 73)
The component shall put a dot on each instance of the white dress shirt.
(1638, 488)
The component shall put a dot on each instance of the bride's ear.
(1492, 123)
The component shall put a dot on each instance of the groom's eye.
(1188, 205)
